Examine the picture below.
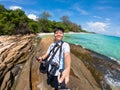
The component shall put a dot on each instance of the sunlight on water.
(103, 44)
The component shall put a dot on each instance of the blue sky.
(100, 16)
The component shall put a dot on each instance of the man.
(64, 62)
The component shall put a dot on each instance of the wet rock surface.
(101, 67)
(20, 71)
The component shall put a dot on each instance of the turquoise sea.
(103, 44)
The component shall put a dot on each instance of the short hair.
(58, 28)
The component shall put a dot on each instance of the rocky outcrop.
(14, 51)
(100, 66)
(19, 69)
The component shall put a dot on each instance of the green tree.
(45, 15)
(33, 26)
(20, 20)
(44, 22)
(2, 8)
(16, 22)
(65, 20)
(70, 25)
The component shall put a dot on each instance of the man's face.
(58, 35)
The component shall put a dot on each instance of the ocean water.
(103, 44)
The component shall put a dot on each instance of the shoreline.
(103, 60)
(64, 33)
(108, 67)
(98, 65)
(107, 59)
(49, 34)
(103, 56)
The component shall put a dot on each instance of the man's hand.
(65, 76)
(40, 59)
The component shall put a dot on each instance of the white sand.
(42, 34)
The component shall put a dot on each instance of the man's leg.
(50, 80)
(55, 83)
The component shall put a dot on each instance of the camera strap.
(56, 52)
(60, 51)
(52, 50)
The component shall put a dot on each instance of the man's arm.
(41, 58)
(44, 56)
(66, 72)
(67, 66)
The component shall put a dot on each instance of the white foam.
(111, 81)
(83, 47)
(75, 33)
(115, 59)
(76, 44)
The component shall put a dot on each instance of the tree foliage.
(2, 8)
(16, 22)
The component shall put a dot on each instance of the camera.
(50, 75)
(54, 67)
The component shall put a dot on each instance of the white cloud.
(15, 7)
(103, 7)
(97, 17)
(81, 11)
(64, 12)
(118, 33)
(33, 16)
(76, 6)
(97, 26)
(23, 2)
(107, 19)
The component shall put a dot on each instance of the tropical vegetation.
(14, 22)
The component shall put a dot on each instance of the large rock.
(99, 65)
(12, 51)
(80, 77)
(21, 52)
